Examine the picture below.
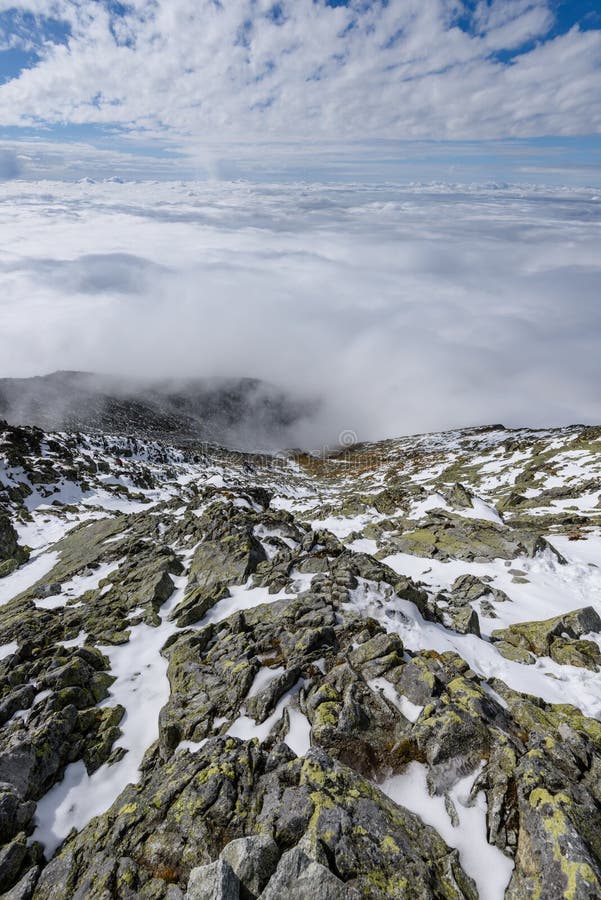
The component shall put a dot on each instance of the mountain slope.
(374, 674)
(241, 412)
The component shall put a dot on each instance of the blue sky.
(393, 89)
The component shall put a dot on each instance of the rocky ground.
(232, 676)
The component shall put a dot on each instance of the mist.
(400, 310)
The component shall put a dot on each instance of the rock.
(263, 703)
(229, 557)
(8, 538)
(511, 501)
(378, 654)
(557, 637)
(48, 590)
(300, 878)
(25, 887)
(216, 881)
(329, 674)
(417, 680)
(584, 654)
(254, 860)
(558, 849)
(459, 496)
(12, 856)
(450, 536)
(516, 654)
(467, 588)
(15, 814)
(465, 621)
(11, 554)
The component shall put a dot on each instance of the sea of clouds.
(404, 309)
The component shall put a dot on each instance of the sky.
(390, 205)
(334, 90)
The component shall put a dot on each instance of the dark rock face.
(299, 685)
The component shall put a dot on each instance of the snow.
(191, 746)
(290, 504)
(363, 545)
(245, 597)
(142, 687)
(298, 735)
(116, 503)
(478, 510)
(551, 588)
(432, 501)
(342, 526)
(24, 714)
(545, 679)
(8, 649)
(26, 575)
(485, 863)
(67, 493)
(264, 677)
(54, 601)
(78, 641)
(586, 552)
(45, 529)
(481, 510)
(410, 710)
(492, 693)
(78, 586)
(583, 503)
(262, 532)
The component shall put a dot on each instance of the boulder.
(216, 881)
(254, 860)
(298, 877)
(558, 637)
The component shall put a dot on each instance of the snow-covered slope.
(384, 662)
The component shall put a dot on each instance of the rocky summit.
(372, 674)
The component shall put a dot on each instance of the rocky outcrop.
(303, 677)
(559, 637)
(11, 554)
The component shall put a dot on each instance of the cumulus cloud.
(205, 72)
(403, 309)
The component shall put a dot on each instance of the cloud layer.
(405, 310)
(201, 72)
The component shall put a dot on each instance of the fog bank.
(402, 309)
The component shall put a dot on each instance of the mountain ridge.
(243, 412)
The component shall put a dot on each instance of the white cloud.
(406, 309)
(208, 72)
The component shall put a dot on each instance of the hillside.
(369, 675)
(241, 412)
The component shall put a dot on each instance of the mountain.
(245, 412)
(365, 675)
